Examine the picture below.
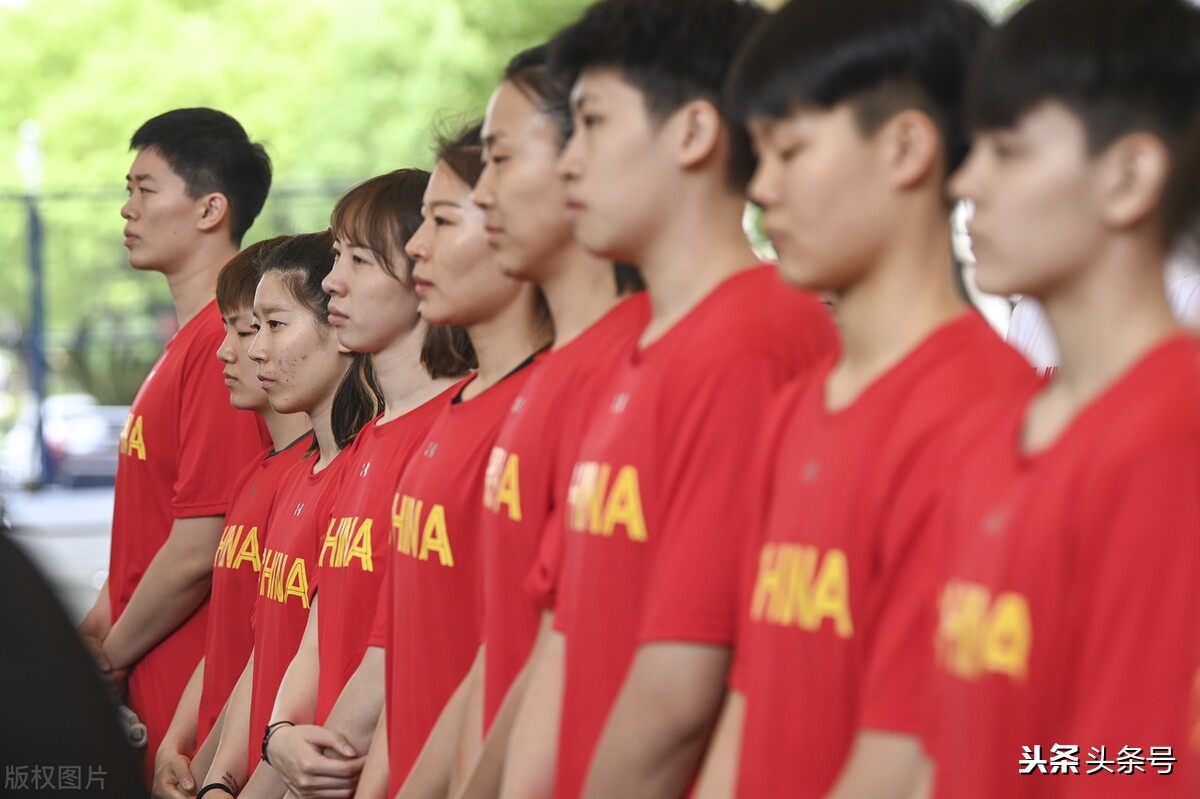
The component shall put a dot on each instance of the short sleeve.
(215, 440)
(693, 588)
(381, 622)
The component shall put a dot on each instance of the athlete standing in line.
(195, 187)
(238, 559)
(302, 369)
(373, 308)
(1068, 651)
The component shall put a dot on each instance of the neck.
(322, 425)
(580, 290)
(503, 342)
(1107, 318)
(402, 378)
(284, 427)
(907, 292)
(703, 245)
(193, 284)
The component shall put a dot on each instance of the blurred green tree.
(339, 91)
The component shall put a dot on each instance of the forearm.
(229, 763)
(98, 621)
(296, 699)
(532, 754)
(358, 708)
(655, 737)
(373, 782)
(483, 779)
(175, 583)
(718, 774)
(470, 735)
(264, 784)
(887, 765)
(180, 737)
(430, 775)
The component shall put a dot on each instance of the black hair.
(880, 56)
(671, 51)
(211, 152)
(382, 214)
(1119, 66)
(302, 263)
(239, 277)
(528, 72)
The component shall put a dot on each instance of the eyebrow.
(582, 99)
(492, 138)
(450, 203)
(267, 310)
(138, 178)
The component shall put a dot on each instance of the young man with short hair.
(1068, 649)
(656, 507)
(854, 107)
(196, 185)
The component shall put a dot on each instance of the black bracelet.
(214, 786)
(267, 733)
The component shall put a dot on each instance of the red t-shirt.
(655, 509)
(353, 557)
(1071, 612)
(287, 583)
(527, 478)
(181, 449)
(437, 567)
(235, 578)
(835, 634)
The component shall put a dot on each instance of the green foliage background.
(339, 90)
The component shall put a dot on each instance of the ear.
(214, 209)
(1135, 169)
(911, 146)
(697, 133)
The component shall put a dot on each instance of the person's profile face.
(240, 373)
(370, 308)
(619, 170)
(1037, 198)
(160, 218)
(455, 273)
(297, 358)
(820, 185)
(520, 190)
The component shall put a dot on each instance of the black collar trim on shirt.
(302, 436)
(533, 356)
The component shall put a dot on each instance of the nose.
(417, 247)
(570, 160)
(763, 188)
(227, 353)
(333, 283)
(257, 352)
(966, 182)
(484, 194)
(127, 209)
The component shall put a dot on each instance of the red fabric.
(354, 557)
(526, 484)
(835, 636)
(1071, 611)
(235, 579)
(437, 568)
(181, 449)
(656, 504)
(287, 584)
